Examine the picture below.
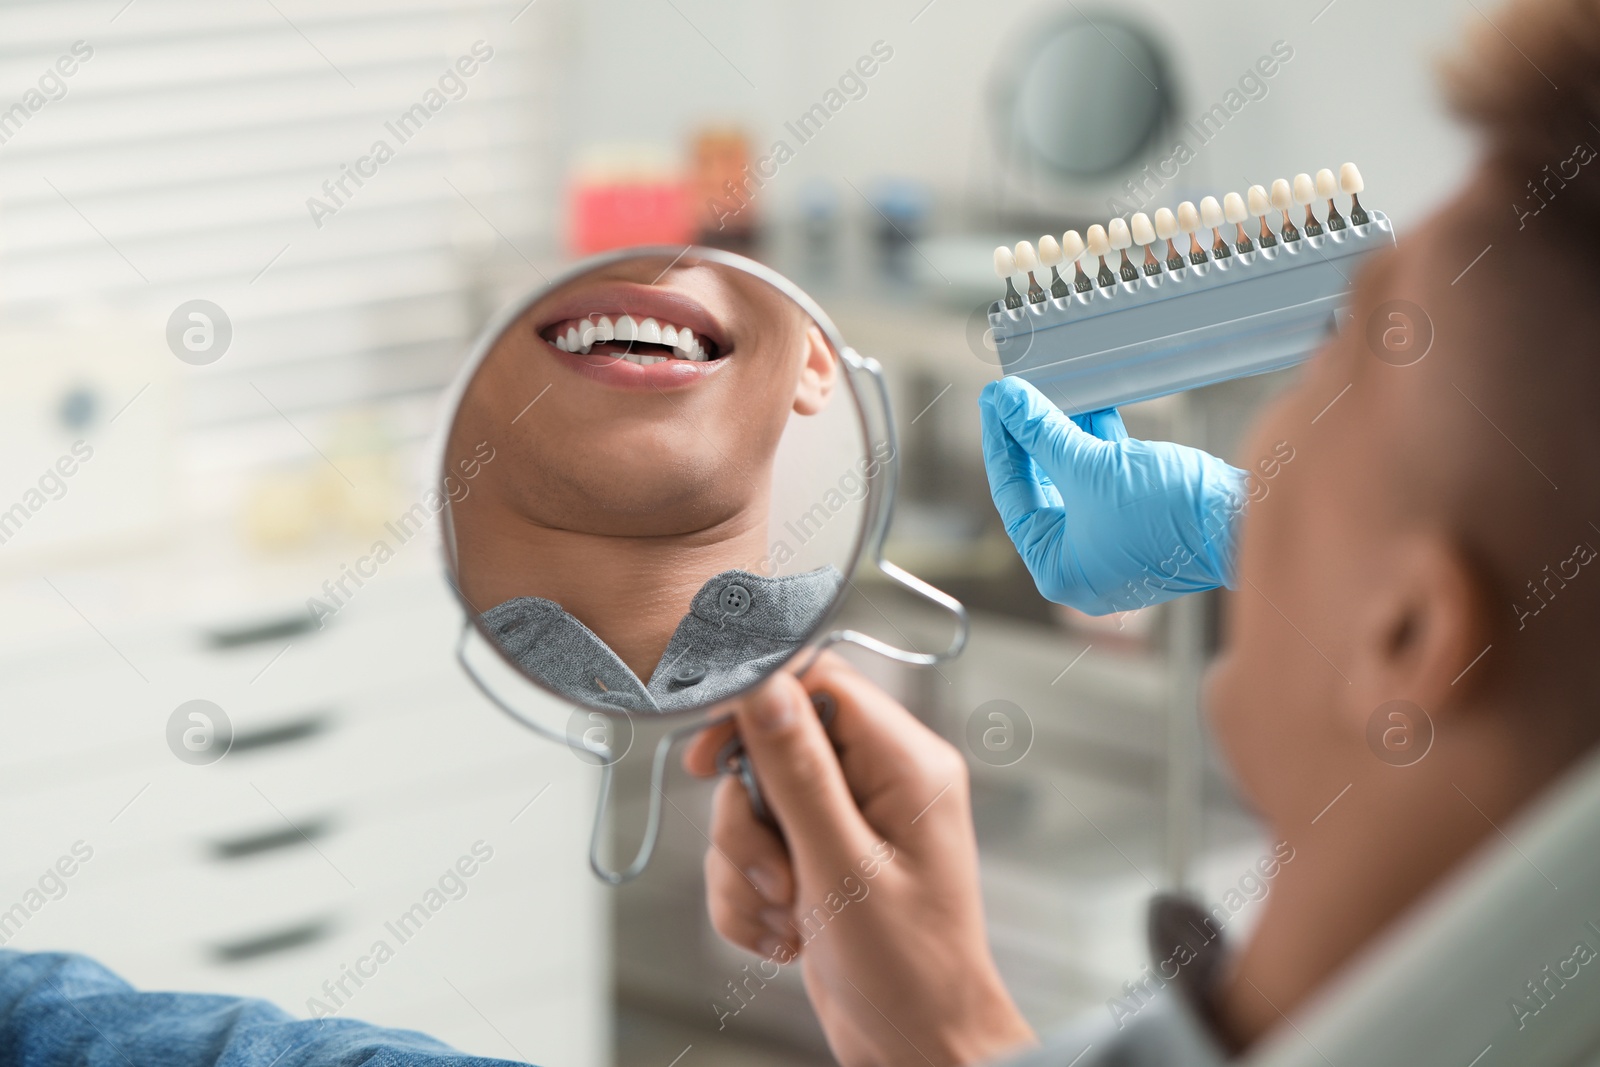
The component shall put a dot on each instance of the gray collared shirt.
(740, 627)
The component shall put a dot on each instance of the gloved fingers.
(1105, 424)
(1017, 485)
(1053, 440)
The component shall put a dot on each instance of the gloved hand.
(1106, 523)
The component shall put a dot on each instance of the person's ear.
(1424, 627)
(819, 373)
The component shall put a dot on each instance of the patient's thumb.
(799, 774)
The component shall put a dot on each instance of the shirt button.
(688, 676)
(734, 599)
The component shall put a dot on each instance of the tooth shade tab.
(1143, 232)
(1350, 180)
(1210, 213)
(1099, 244)
(1072, 246)
(1282, 197)
(1119, 235)
(1258, 202)
(1049, 251)
(1326, 184)
(1005, 262)
(1233, 208)
(1166, 224)
(1027, 258)
(1188, 217)
(1304, 190)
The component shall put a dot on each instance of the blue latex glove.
(1106, 523)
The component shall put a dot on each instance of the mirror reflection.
(659, 483)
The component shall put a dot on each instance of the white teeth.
(1143, 232)
(1188, 216)
(1233, 208)
(1072, 246)
(1098, 244)
(1005, 262)
(582, 335)
(1166, 224)
(1281, 197)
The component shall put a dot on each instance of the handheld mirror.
(662, 471)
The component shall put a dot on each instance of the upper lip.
(639, 301)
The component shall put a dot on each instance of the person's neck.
(632, 592)
(1371, 854)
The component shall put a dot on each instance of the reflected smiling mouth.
(637, 339)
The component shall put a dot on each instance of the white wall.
(1360, 87)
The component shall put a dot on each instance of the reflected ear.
(1423, 630)
(818, 374)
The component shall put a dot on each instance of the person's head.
(642, 437)
(1429, 541)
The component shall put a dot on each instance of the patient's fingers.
(749, 883)
(700, 754)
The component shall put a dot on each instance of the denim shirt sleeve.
(58, 1009)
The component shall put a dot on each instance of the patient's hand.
(877, 889)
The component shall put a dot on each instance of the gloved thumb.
(1053, 440)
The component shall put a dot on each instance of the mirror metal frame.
(864, 375)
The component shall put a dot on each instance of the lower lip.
(619, 373)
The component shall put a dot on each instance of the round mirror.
(1087, 97)
(658, 474)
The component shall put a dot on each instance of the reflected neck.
(632, 592)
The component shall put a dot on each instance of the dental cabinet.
(369, 797)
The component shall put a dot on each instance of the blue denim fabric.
(58, 1009)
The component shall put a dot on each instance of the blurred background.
(244, 247)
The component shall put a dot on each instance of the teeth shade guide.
(1223, 223)
(1005, 265)
(1028, 262)
(1350, 181)
(1189, 223)
(1305, 191)
(1233, 211)
(1261, 207)
(1072, 248)
(1122, 240)
(1050, 256)
(1283, 200)
(1166, 230)
(1327, 185)
(1144, 235)
(1211, 218)
(1099, 244)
